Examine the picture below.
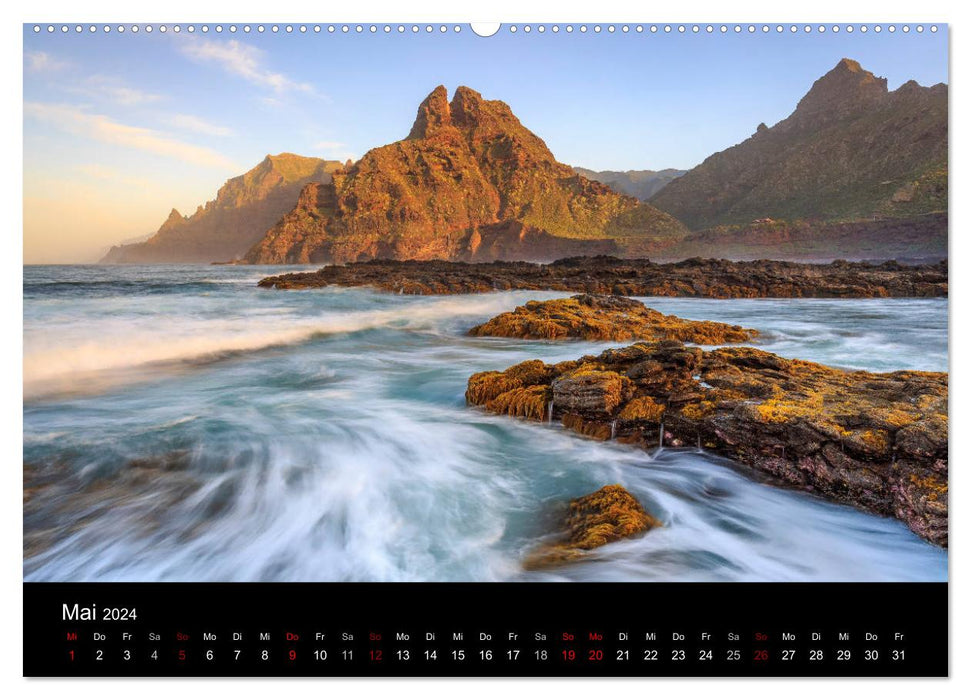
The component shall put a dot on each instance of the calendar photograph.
(543, 303)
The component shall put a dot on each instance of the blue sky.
(119, 128)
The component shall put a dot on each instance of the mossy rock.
(605, 317)
(610, 514)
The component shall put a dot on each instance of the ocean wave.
(399, 492)
(334, 444)
(391, 500)
(104, 353)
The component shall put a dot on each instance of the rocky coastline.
(874, 441)
(878, 442)
(696, 277)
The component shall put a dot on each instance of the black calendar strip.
(604, 629)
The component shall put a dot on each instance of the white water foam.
(68, 360)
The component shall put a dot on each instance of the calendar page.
(544, 349)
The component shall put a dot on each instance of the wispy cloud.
(114, 90)
(242, 60)
(110, 88)
(41, 61)
(328, 145)
(101, 128)
(201, 126)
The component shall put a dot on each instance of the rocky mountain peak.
(466, 106)
(287, 167)
(850, 150)
(174, 219)
(469, 182)
(474, 114)
(850, 66)
(433, 113)
(281, 159)
(848, 87)
(468, 111)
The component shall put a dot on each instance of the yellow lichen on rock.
(785, 407)
(931, 483)
(528, 402)
(529, 372)
(642, 408)
(597, 430)
(698, 410)
(893, 416)
(483, 387)
(599, 518)
(874, 441)
(605, 516)
(605, 317)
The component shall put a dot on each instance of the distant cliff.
(850, 150)
(903, 238)
(226, 227)
(642, 184)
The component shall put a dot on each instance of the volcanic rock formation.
(469, 182)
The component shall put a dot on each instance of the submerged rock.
(876, 441)
(63, 501)
(594, 520)
(605, 317)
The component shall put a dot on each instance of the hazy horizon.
(121, 128)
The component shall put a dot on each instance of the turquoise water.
(323, 435)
